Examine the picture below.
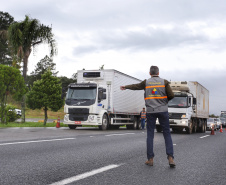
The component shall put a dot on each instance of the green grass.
(30, 124)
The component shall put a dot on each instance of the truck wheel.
(134, 126)
(203, 127)
(138, 125)
(194, 129)
(72, 126)
(104, 125)
(189, 129)
(159, 129)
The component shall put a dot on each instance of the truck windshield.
(223, 115)
(178, 102)
(81, 94)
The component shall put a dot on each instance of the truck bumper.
(93, 120)
(177, 123)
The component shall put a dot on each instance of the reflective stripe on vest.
(143, 115)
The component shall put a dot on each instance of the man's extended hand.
(122, 88)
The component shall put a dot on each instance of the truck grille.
(175, 115)
(78, 111)
(78, 114)
(78, 117)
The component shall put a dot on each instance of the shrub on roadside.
(11, 115)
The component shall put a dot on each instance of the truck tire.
(104, 125)
(203, 127)
(134, 126)
(194, 129)
(159, 128)
(138, 124)
(72, 126)
(189, 129)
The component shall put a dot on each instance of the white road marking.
(38, 141)
(119, 134)
(174, 144)
(91, 136)
(204, 136)
(85, 175)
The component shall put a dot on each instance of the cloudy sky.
(185, 38)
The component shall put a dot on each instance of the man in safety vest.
(157, 95)
(143, 118)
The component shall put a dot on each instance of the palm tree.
(27, 35)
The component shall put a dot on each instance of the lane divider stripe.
(204, 136)
(38, 141)
(85, 175)
(118, 134)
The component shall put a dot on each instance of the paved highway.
(89, 156)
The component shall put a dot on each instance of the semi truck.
(96, 99)
(189, 109)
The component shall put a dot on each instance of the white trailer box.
(110, 106)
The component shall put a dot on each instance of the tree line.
(42, 89)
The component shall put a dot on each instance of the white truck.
(189, 108)
(96, 99)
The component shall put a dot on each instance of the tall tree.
(5, 20)
(42, 66)
(46, 94)
(25, 36)
(11, 82)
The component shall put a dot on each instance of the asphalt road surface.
(89, 156)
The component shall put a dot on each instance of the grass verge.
(30, 124)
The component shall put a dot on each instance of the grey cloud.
(150, 39)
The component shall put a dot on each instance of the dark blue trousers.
(163, 118)
(142, 123)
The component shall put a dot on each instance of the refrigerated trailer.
(96, 99)
(189, 108)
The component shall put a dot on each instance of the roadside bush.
(11, 115)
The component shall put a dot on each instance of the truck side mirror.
(194, 101)
(100, 94)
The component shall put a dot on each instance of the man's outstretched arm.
(140, 86)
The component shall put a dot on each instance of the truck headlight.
(183, 116)
(66, 117)
(91, 118)
(184, 122)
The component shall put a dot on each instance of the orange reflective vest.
(143, 115)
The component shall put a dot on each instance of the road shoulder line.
(85, 175)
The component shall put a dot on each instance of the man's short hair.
(154, 70)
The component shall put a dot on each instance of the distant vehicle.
(223, 118)
(223, 121)
(18, 112)
(211, 123)
(218, 122)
